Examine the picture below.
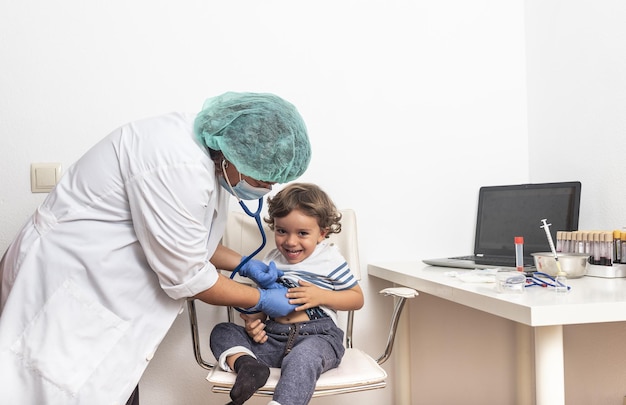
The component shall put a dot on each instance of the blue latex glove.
(264, 275)
(273, 302)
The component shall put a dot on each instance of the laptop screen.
(505, 212)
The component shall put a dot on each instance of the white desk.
(591, 300)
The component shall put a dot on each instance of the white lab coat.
(94, 280)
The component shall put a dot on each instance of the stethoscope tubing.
(257, 218)
(542, 282)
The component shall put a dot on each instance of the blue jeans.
(303, 351)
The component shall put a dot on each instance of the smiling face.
(296, 235)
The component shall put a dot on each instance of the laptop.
(505, 212)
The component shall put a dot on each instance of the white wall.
(577, 123)
(577, 99)
(403, 99)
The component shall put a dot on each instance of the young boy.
(306, 342)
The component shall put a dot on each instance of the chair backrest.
(243, 236)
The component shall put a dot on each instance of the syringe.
(559, 280)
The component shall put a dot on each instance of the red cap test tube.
(519, 253)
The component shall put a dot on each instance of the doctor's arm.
(228, 292)
(263, 275)
(225, 291)
(225, 258)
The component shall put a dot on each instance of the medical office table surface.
(590, 300)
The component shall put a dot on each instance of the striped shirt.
(326, 268)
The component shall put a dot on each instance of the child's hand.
(307, 295)
(254, 324)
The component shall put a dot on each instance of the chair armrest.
(405, 292)
(400, 294)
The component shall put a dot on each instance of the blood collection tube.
(604, 249)
(622, 244)
(596, 248)
(560, 235)
(567, 242)
(617, 248)
(579, 246)
(587, 238)
(519, 253)
(608, 241)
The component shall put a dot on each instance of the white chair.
(357, 371)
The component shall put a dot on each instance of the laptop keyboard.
(494, 261)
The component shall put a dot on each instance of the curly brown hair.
(308, 198)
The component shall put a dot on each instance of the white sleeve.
(173, 209)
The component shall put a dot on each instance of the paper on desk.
(475, 276)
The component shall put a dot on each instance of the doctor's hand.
(273, 302)
(255, 326)
(263, 275)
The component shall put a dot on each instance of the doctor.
(96, 277)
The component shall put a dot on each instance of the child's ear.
(323, 234)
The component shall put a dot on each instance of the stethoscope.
(256, 215)
(545, 281)
(257, 218)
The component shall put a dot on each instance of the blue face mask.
(243, 190)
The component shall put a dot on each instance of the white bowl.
(575, 265)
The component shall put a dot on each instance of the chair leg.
(195, 335)
(397, 311)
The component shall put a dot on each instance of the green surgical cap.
(263, 135)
